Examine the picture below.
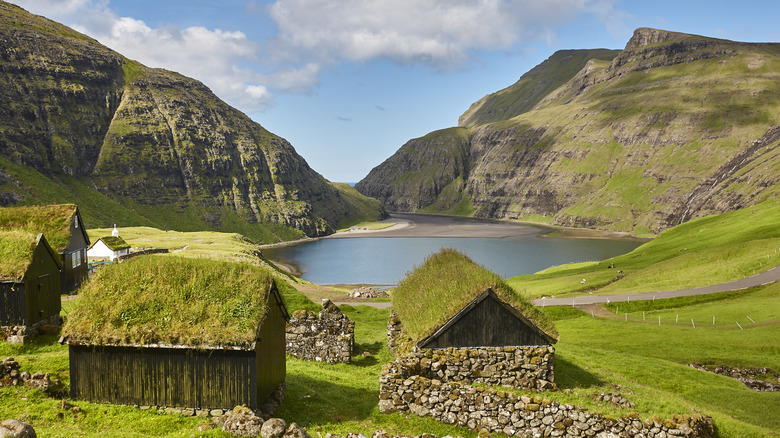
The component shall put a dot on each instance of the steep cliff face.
(106, 129)
(675, 126)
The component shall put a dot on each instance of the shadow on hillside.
(571, 376)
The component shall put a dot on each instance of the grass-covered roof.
(52, 220)
(446, 282)
(172, 301)
(114, 243)
(16, 251)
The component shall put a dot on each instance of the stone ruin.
(327, 337)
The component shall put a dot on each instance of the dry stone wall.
(461, 404)
(529, 368)
(329, 337)
(19, 334)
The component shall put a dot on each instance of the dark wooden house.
(487, 321)
(29, 284)
(64, 229)
(450, 301)
(167, 331)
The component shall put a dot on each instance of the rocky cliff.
(134, 145)
(672, 127)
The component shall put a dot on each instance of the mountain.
(132, 145)
(672, 127)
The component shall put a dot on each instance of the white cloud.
(315, 34)
(441, 33)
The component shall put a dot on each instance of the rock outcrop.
(81, 123)
(670, 128)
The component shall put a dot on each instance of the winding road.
(766, 277)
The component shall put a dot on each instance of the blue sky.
(349, 82)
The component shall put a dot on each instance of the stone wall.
(19, 334)
(329, 337)
(499, 412)
(531, 367)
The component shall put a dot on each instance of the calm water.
(386, 260)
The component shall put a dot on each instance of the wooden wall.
(271, 349)
(210, 379)
(12, 306)
(488, 324)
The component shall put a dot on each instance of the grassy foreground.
(640, 359)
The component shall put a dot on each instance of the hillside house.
(454, 309)
(64, 230)
(176, 332)
(108, 248)
(29, 285)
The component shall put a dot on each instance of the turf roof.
(446, 282)
(114, 243)
(172, 301)
(52, 220)
(16, 252)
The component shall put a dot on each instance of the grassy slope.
(531, 87)
(704, 251)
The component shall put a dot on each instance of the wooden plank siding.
(486, 322)
(176, 377)
(12, 303)
(271, 348)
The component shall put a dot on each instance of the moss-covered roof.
(16, 251)
(114, 243)
(52, 220)
(172, 301)
(446, 282)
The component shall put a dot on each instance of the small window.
(75, 259)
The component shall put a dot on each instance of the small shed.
(450, 310)
(29, 284)
(64, 229)
(108, 248)
(176, 332)
(450, 301)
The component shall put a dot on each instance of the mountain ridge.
(156, 147)
(637, 142)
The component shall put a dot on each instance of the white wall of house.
(100, 251)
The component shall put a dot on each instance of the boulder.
(16, 429)
(273, 428)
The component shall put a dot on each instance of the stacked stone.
(329, 337)
(517, 367)
(367, 292)
(11, 376)
(500, 412)
(393, 331)
(19, 334)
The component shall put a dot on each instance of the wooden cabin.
(29, 284)
(108, 248)
(175, 332)
(487, 321)
(450, 301)
(64, 230)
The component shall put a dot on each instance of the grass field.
(641, 360)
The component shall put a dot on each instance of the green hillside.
(674, 127)
(133, 145)
(709, 250)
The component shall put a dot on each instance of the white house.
(108, 248)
